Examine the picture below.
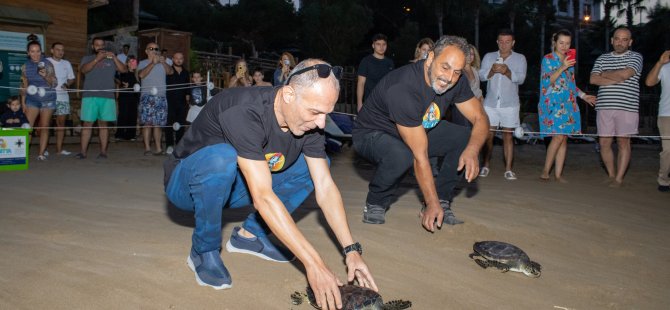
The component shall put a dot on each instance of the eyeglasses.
(323, 70)
(155, 49)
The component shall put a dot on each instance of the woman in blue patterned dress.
(558, 110)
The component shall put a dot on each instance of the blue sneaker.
(258, 246)
(209, 270)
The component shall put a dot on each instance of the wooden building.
(62, 21)
(59, 21)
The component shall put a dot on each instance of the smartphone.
(499, 60)
(572, 54)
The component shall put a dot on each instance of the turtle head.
(532, 270)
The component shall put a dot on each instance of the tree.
(608, 6)
(628, 8)
(331, 29)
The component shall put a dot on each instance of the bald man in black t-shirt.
(264, 146)
(400, 125)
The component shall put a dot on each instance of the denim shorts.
(41, 105)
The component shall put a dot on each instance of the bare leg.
(157, 138)
(103, 134)
(508, 148)
(86, 131)
(31, 115)
(146, 135)
(487, 150)
(552, 150)
(623, 157)
(45, 120)
(560, 159)
(60, 132)
(607, 155)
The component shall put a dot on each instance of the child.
(198, 96)
(13, 117)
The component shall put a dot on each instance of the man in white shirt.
(65, 78)
(123, 56)
(661, 73)
(503, 70)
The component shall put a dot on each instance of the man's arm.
(88, 67)
(321, 279)
(417, 140)
(330, 201)
(360, 89)
(610, 77)
(652, 78)
(473, 110)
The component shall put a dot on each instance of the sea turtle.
(354, 297)
(505, 257)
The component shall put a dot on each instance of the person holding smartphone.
(558, 110)
(284, 67)
(503, 71)
(128, 101)
(241, 77)
(152, 73)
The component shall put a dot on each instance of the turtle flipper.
(499, 265)
(483, 263)
(398, 304)
(297, 298)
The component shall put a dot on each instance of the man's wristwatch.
(354, 247)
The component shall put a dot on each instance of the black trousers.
(177, 110)
(393, 158)
(127, 118)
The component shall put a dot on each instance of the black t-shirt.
(177, 84)
(402, 97)
(373, 69)
(128, 96)
(244, 117)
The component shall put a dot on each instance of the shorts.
(503, 117)
(153, 110)
(41, 105)
(62, 108)
(98, 108)
(613, 123)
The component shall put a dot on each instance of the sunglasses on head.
(323, 70)
(154, 49)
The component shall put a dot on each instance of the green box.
(14, 147)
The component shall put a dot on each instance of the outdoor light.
(587, 18)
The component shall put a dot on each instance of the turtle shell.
(502, 252)
(354, 297)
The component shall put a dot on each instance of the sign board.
(14, 147)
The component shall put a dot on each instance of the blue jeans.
(208, 180)
(393, 158)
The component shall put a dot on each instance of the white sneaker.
(169, 150)
(46, 153)
(484, 172)
(510, 176)
(64, 152)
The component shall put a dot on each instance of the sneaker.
(101, 156)
(510, 176)
(41, 158)
(257, 246)
(484, 172)
(64, 152)
(80, 156)
(374, 214)
(169, 150)
(448, 217)
(209, 270)
(664, 188)
(46, 153)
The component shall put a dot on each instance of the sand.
(99, 234)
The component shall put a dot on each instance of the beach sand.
(99, 234)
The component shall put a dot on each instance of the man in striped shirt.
(618, 75)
